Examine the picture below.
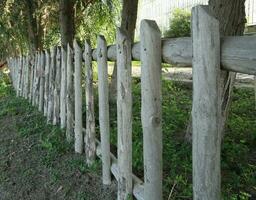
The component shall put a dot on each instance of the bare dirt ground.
(28, 173)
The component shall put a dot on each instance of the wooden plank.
(104, 108)
(90, 143)
(206, 105)
(42, 81)
(78, 99)
(47, 81)
(238, 53)
(151, 113)
(31, 62)
(70, 95)
(124, 115)
(63, 88)
(51, 85)
(56, 103)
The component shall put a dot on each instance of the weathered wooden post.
(27, 76)
(42, 81)
(70, 95)
(51, 85)
(63, 88)
(19, 75)
(151, 108)
(56, 103)
(90, 142)
(32, 65)
(47, 81)
(206, 105)
(78, 99)
(104, 108)
(124, 114)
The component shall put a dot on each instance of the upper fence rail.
(238, 53)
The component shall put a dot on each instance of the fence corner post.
(206, 105)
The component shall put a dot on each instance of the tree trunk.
(231, 15)
(35, 29)
(67, 25)
(128, 23)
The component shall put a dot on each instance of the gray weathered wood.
(70, 95)
(35, 80)
(56, 103)
(47, 81)
(237, 53)
(206, 105)
(42, 81)
(138, 188)
(151, 113)
(124, 115)
(51, 85)
(90, 143)
(32, 65)
(78, 99)
(104, 108)
(63, 88)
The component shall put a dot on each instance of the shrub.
(179, 25)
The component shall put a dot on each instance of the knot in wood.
(155, 121)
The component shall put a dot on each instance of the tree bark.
(67, 24)
(128, 23)
(231, 15)
(35, 29)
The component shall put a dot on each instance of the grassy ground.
(238, 148)
(36, 163)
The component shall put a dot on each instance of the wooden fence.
(52, 79)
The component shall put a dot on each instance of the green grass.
(238, 148)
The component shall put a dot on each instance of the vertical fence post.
(124, 115)
(27, 76)
(56, 103)
(78, 99)
(104, 108)
(63, 88)
(206, 105)
(32, 65)
(47, 81)
(90, 142)
(19, 64)
(42, 81)
(51, 85)
(38, 79)
(70, 95)
(151, 113)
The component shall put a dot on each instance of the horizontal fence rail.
(52, 81)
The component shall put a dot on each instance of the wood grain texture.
(151, 109)
(124, 114)
(78, 99)
(63, 88)
(206, 105)
(70, 95)
(90, 140)
(237, 53)
(104, 108)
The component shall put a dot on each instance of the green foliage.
(179, 24)
(91, 19)
(238, 166)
